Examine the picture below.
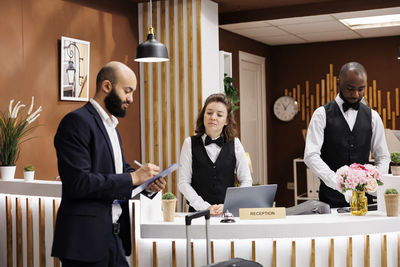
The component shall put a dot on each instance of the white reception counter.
(309, 240)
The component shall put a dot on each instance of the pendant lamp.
(151, 50)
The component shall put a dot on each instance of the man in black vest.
(343, 132)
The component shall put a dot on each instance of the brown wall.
(30, 61)
(290, 65)
(293, 64)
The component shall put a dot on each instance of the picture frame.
(75, 62)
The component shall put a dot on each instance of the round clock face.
(285, 108)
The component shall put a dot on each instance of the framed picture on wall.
(75, 58)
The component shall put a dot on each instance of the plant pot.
(168, 208)
(7, 172)
(395, 169)
(392, 204)
(29, 175)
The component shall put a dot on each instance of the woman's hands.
(216, 210)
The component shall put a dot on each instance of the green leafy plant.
(29, 168)
(391, 191)
(14, 128)
(231, 92)
(168, 195)
(395, 158)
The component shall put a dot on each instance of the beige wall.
(30, 33)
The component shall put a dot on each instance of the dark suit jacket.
(83, 229)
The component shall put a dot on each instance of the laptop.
(260, 196)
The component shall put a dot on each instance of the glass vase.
(359, 203)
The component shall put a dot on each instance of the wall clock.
(285, 108)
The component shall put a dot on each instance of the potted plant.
(395, 163)
(14, 128)
(392, 202)
(29, 172)
(231, 92)
(168, 206)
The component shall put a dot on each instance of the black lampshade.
(151, 50)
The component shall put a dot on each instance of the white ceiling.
(310, 29)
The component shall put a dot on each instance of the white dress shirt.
(315, 139)
(110, 123)
(185, 171)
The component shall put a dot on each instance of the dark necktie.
(219, 141)
(347, 105)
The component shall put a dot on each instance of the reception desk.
(310, 240)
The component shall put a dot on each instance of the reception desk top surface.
(326, 225)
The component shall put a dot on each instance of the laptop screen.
(260, 196)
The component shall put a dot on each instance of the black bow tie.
(219, 141)
(347, 105)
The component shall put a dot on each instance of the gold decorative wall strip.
(18, 228)
(349, 257)
(56, 261)
(173, 249)
(253, 250)
(312, 260)
(135, 249)
(384, 251)
(9, 232)
(274, 259)
(155, 256)
(42, 234)
(29, 235)
(293, 253)
(192, 253)
(332, 253)
(232, 249)
(367, 252)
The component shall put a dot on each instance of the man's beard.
(345, 100)
(114, 104)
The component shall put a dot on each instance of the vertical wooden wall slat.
(42, 235)
(29, 233)
(199, 62)
(56, 261)
(172, 88)
(9, 232)
(181, 75)
(274, 259)
(155, 99)
(293, 253)
(190, 65)
(164, 100)
(18, 228)
(253, 250)
(212, 251)
(192, 253)
(146, 88)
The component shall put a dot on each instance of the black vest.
(344, 147)
(210, 180)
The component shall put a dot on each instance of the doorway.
(253, 122)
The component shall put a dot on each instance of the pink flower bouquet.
(358, 177)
